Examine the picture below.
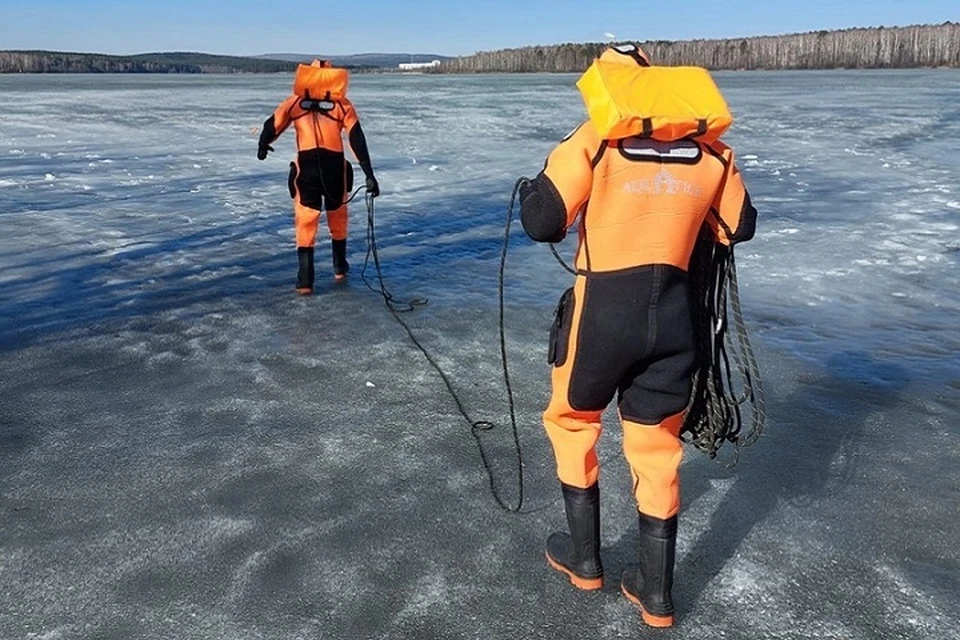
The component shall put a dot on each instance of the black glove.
(373, 187)
(262, 152)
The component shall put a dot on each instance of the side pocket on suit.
(348, 178)
(292, 180)
(560, 330)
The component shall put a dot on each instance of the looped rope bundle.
(727, 404)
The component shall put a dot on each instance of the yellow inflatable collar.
(663, 103)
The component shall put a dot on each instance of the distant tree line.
(60, 62)
(861, 48)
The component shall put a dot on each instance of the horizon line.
(446, 55)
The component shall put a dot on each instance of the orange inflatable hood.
(321, 81)
(626, 54)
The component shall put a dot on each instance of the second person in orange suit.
(320, 178)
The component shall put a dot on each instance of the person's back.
(661, 191)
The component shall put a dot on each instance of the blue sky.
(452, 27)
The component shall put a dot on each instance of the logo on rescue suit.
(662, 184)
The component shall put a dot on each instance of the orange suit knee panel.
(337, 222)
(654, 453)
(574, 436)
(305, 222)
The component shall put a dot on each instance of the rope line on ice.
(396, 309)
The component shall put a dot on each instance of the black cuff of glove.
(367, 169)
(373, 187)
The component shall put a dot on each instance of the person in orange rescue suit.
(624, 329)
(320, 178)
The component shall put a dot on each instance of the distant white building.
(415, 66)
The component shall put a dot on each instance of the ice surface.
(187, 449)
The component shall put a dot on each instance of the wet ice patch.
(697, 515)
(428, 592)
(911, 606)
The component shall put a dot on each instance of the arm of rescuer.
(732, 217)
(358, 142)
(273, 126)
(550, 202)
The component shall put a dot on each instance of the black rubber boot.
(577, 554)
(340, 264)
(650, 585)
(305, 270)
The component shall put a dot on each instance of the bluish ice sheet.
(189, 450)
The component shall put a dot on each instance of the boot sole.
(584, 584)
(659, 622)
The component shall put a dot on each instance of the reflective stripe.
(648, 148)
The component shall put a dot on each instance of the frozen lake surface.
(189, 450)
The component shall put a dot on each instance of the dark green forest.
(61, 62)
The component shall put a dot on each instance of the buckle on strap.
(323, 106)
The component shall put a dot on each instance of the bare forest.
(866, 48)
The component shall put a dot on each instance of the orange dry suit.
(641, 180)
(320, 178)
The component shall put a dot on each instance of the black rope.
(569, 269)
(352, 196)
(374, 251)
(725, 363)
(476, 426)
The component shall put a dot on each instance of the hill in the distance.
(190, 62)
(165, 62)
